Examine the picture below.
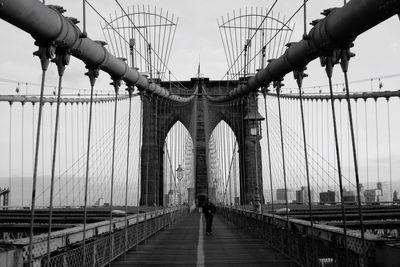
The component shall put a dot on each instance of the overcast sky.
(197, 36)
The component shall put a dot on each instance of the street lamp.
(254, 119)
(179, 176)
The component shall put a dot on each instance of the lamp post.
(254, 120)
(179, 176)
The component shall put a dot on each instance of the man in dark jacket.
(209, 210)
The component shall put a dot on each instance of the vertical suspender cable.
(366, 141)
(390, 149)
(22, 150)
(66, 153)
(243, 165)
(72, 153)
(299, 75)
(116, 83)
(130, 90)
(61, 60)
(269, 151)
(278, 88)
(377, 139)
(139, 169)
(77, 148)
(10, 148)
(84, 16)
(43, 159)
(44, 53)
(93, 73)
(329, 70)
(147, 160)
(59, 172)
(156, 150)
(344, 64)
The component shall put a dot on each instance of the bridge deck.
(185, 244)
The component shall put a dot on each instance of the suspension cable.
(116, 83)
(329, 63)
(278, 85)
(44, 53)
(61, 60)
(345, 57)
(10, 149)
(377, 139)
(269, 152)
(22, 150)
(299, 75)
(93, 73)
(139, 168)
(242, 158)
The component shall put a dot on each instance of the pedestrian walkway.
(185, 244)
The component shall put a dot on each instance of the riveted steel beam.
(337, 30)
(47, 25)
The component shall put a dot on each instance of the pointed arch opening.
(224, 172)
(178, 171)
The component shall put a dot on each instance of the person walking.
(209, 210)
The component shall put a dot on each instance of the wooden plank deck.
(185, 244)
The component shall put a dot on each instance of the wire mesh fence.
(102, 249)
(294, 239)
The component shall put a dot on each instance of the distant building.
(349, 196)
(280, 195)
(371, 195)
(327, 197)
(302, 195)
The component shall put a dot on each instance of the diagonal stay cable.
(277, 32)
(106, 21)
(145, 39)
(141, 56)
(258, 28)
(145, 59)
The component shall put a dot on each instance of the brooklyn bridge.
(286, 120)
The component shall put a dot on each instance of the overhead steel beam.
(65, 100)
(336, 31)
(48, 26)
